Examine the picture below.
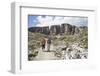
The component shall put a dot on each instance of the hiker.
(43, 42)
(48, 44)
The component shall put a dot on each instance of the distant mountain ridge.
(64, 28)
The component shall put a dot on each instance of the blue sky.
(42, 20)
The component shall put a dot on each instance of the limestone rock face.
(35, 29)
(73, 30)
(45, 30)
(69, 29)
(77, 30)
(55, 29)
(64, 28)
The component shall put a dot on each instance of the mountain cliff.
(64, 28)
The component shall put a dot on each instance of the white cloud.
(44, 21)
(51, 20)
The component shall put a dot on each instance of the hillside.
(75, 42)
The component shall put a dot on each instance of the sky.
(43, 20)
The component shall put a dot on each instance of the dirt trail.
(44, 55)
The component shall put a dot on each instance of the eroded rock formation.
(64, 28)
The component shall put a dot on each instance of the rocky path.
(44, 55)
